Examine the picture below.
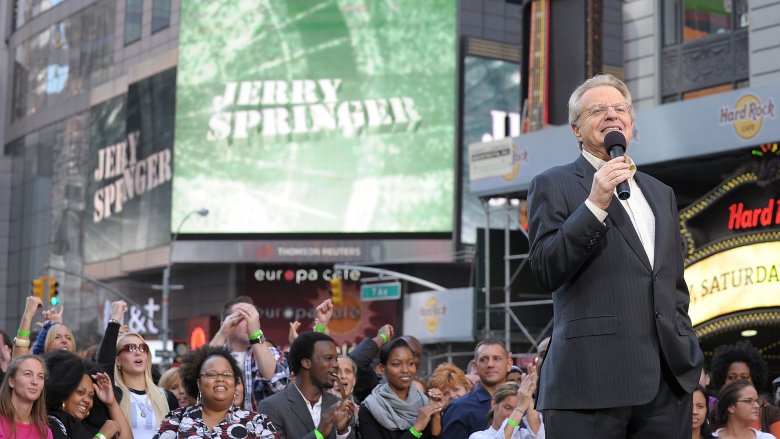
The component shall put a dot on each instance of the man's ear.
(306, 363)
(576, 130)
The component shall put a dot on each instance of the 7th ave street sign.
(383, 291)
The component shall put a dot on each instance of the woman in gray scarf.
(397, 410)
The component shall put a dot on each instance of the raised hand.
(606, 179)
(526, 390)
(343, 415)
(250, 314)
(54, 314)
(294, 326)
(435, 394)
(327, 420)
(31, 305)
(388, 331)
(324, 312)
(433, 408)
(118, 309)
(103, 388)
(231, 321)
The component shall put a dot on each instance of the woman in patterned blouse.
(211, 373)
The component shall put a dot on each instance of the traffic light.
(336, 291)
(54, 298)
(37, 287)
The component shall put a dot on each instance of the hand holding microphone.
(615, 144)
(613, 175)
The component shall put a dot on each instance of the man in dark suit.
(623, 358)
(300, 407)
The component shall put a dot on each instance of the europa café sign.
(732, 236)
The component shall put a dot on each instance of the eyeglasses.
(599, 110)
(212, 375)
(750, 401)
(132, 347)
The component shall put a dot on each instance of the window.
(689, 20)
(133, 16)
(161, 14)
(702, 18)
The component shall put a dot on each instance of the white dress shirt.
(316, 413)
(642, 217)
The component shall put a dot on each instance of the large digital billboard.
(294, 116)
(130, 162)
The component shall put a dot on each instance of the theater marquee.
(732, 235)
(734, 280)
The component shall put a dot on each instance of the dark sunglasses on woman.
(132, 347)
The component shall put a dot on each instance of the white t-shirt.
(524, 433)
(759, 434)
(490, 433)
(142, 418)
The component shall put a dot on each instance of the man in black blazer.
(296, 410)
(623, 358)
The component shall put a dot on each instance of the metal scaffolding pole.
(508, 306)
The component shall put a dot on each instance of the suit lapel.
(299, 408)
(617, 215)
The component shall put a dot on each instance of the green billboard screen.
(295, 116)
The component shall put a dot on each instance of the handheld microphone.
(615, 144)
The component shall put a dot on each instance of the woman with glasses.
(737, 410)
(80, 400)
(22, 406)
(742, 361)
(211, 373)
(144, 403)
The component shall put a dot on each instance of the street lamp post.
(166, 284)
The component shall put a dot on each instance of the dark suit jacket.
(288, 412)
(616, 318)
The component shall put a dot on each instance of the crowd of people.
(243, 386)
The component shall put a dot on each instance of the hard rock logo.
(747, 115)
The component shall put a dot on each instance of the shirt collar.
(308, 403)
(597, 163)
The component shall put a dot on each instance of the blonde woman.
(511, 414)
(171, 381)
(59, 336)
(144, 404)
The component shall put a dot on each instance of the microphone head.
(613, 139)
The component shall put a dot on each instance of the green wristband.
(256, 335)
(512, 422)
(414, 432)
(100, 435)
(384, 339)
(21, 333)
(320, 328)
(318, 434)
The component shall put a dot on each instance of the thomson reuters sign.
(747, 115)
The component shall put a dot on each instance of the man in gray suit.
(623, 358)
(300, 407)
